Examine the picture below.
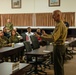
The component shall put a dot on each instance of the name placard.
(15, 66)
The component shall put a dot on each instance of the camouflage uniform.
(3, 41)
(13, 39)
(9, 26)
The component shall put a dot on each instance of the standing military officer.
(9, 25)
(58, 38)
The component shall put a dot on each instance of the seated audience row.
(7, 37)
(5, 41)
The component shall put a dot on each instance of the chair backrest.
(27, 46)
(28, 49)
(35, 42)
(24, 36)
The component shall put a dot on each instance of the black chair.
(28, 48)
(23, 36)
(36, 45)
(35, 42)
(29, 57)
(70, 50)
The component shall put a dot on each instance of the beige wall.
(36, 6)
(30, 6)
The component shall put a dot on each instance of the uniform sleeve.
(6, 39)
(0, 45)
(56, 33)
(10, 41)
(11, 28)
(47, 38)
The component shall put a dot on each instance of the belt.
(60, 44)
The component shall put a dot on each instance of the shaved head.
(57, 15)
(57, 12)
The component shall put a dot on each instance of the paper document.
(46, 51)
(66, 42)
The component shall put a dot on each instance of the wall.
(65, 6)
(37, 6)
(30, 6)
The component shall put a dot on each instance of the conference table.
(10, 51)
(6, 69)
(18, 47)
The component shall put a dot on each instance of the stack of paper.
(46, 51)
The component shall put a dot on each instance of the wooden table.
(6, 69)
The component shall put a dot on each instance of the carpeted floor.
(69, 67)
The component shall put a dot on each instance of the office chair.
(72, 47)
(29, 57)
(70, 50)
(23, 36)
(35, 42)
(28, 48)
(36, 45)
(68, 54)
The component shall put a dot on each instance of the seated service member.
(58, 38)
(28, 34)
(44, 33)
(3, 40)
(6, 33)
(38, 31)
(38, 34)
(13, 38)
(17, 34)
